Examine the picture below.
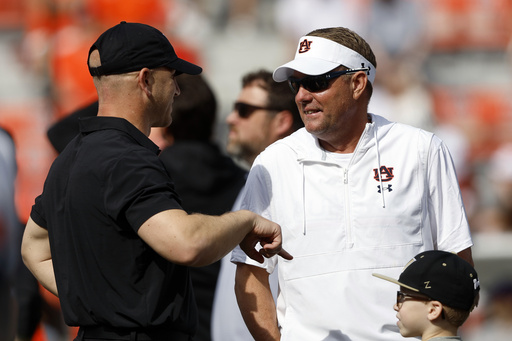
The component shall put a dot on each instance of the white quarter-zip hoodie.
(397, 196)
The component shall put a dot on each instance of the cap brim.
(182, 66)
(308, 66)
(392, 280)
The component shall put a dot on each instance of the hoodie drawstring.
(378, 165)
(303, 200)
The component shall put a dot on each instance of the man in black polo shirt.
(108, 234)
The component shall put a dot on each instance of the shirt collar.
(91, 124)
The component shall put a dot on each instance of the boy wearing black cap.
(438, 290)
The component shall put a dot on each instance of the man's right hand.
(268, 235)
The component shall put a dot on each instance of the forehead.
(253, 94)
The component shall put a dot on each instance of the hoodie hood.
(301, 140)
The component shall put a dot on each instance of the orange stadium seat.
(469, 24)
(479, 112)
(11, 14)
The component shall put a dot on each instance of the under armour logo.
(386, 174)
(476, 283)
(369, 68)
(387, 188)
(305, 46)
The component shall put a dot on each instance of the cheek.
(330, 102)
(246, 129)
(412, 320)
(339, 102)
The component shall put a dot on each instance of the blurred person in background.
(207, 180)
(397, 33)
(495, 213)
(497, 314)
(39, 312)
(10, 233)
(264, 112)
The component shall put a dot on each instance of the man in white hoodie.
(353, 193)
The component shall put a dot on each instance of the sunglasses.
(245, 110)
(319, 83)
(401, 296)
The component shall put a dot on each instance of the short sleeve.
(139, 187)
(446, 208)
(36, 214)
(255, 197)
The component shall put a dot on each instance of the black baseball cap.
(130, 47)
(442, 276)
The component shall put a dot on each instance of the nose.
(302, 95)
(232, 117)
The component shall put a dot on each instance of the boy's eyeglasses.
(318, 83)
(400, 298)
(245, 110)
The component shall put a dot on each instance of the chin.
(314, 128)
(406, 333)
(164, 124)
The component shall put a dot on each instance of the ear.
(145, 81)
(282, 123)
(435, 310)
(94, 59)
(359, 82)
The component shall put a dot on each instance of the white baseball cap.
(316, 56)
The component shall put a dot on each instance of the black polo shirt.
(105, 184)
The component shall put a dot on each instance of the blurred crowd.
(443, 65)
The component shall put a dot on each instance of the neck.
(120, 96)
(129, 113)
(443, 337)
(345, 143)
(339, 147)
(430, 335)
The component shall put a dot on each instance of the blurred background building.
(443, 65)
